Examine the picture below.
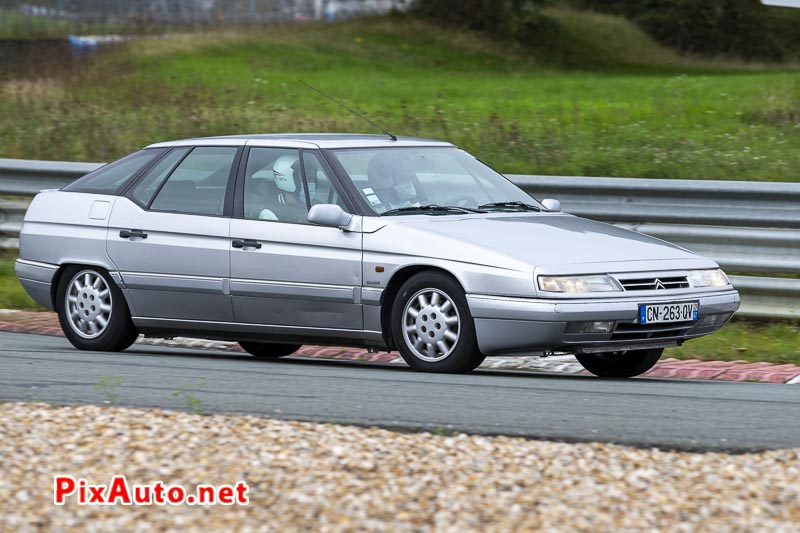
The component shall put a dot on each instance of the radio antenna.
(356, 113)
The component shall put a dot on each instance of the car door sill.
(230, 329)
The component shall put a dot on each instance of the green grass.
(777, 343)
(14, 25)
(12, 295)
(603, 99)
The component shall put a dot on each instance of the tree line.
(742, 28)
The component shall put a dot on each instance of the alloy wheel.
(431, 325)
(88, 304)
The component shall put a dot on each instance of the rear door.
(284, 271)
(169, 236)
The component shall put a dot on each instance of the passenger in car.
(261, 194)
(290, 205)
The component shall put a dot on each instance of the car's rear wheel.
(92, 310)
(620, 364)
(433, 327)
(267, 350)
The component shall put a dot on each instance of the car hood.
(523, 241)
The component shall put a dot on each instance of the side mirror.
(330, 215)
(554, 206)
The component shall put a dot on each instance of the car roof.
(304, 140)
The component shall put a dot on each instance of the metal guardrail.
(26, 178)
(749, 228)
(743, 204)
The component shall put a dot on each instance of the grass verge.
(12, 295)
(741, 340)
(605, 99)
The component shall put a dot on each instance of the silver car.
(276, 241)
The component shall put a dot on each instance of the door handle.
(246, 243)
(134, 233)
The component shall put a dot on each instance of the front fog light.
(713, 320)
(589, 327)
(708, 278)
(578, 284)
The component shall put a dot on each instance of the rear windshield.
(113, 177)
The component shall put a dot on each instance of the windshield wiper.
(431, 208)
(520, 206)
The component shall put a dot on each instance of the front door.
(284, 271)
(169, 237)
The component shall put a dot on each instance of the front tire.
(620, 364)
(92, 310)
(432, 325)
(266, 350)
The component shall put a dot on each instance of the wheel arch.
(63, 267)
(393, 288)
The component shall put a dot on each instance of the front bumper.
(510, 326)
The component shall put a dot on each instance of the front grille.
(628, 331)
(653, 283)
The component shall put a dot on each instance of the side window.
(199, 183)
(320, 187)
(112, 178)
(273, 186)
(147, 186)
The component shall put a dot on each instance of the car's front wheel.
(267, 350)
(92, 310)
(620, 364)
(433, 327)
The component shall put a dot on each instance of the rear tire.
(620, 364)
(92, 310)
(267, 350)
(432, 325)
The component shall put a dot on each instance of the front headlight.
(708, 278)
(578, 284)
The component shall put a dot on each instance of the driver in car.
(392, 182)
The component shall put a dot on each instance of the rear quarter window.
(114, 177)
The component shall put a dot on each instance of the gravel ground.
(323, 477)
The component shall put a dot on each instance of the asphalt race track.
(664, 413)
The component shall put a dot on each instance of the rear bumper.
(37, 279)
(508, 326)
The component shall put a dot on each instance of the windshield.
(391, 179)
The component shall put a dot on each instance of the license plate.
(674, 312)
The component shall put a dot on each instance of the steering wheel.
(462, 200)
